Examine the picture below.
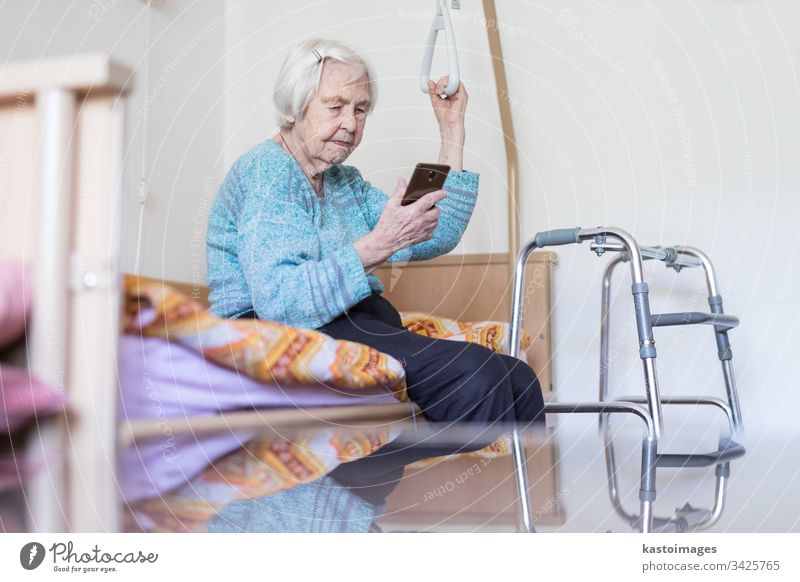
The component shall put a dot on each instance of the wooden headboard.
(478, 287)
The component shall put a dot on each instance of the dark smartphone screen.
(426, 178)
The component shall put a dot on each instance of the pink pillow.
(23, 397)
(15, 300)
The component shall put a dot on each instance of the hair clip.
(316, 54)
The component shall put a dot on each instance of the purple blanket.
(163, 381)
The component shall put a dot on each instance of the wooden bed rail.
(61, 159)
(278, 422)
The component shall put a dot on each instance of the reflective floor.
(580, 478)
(570, 470)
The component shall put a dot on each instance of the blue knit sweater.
(275, 247)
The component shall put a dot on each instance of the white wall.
(677, 121)
(174, 110)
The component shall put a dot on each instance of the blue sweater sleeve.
(277, 243)
(455, 211)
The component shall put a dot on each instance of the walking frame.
(649, 407)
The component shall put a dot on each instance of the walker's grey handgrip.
(559, 236)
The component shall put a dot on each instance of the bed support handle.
(441, 21)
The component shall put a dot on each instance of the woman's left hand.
(449, 111)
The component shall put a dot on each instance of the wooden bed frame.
(62, 152)
(61, 157)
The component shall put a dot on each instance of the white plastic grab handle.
(441, 22)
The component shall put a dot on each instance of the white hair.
(298, 79)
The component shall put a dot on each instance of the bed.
(61, 160)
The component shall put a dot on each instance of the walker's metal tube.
(733, 395)
(647, 489)
(672, 256)
(525, 521)
(647, 348)
(560, 236)
(611, 474)
(605, 408)
(653, 396)
(644, 324)
(720, 491)
(605, 326)
(646, 519)
(626, 239)
(521, 472)
(711, 276)
(605, 333)
(647, 352)
(687, 400)
(723, 473)
(668, 255)
(517, 306)
(723, 344)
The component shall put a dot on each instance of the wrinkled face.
(333, 123)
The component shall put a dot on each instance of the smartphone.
(426, 178)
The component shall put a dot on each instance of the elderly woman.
(294, 236)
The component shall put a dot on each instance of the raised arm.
(461, 188)
(455, 211)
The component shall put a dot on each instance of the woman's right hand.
(402, 226)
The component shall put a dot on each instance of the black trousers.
(451, 382)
